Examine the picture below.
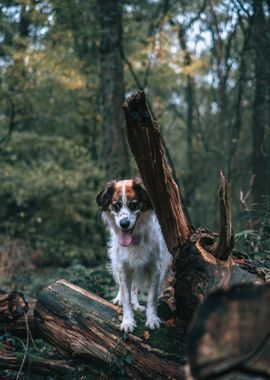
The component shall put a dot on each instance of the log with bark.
(203, 260)
(85, 327)
(25, 362)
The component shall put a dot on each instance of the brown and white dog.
(137, 251)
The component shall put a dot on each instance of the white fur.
(134, 266)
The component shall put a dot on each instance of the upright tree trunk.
(189, 97)
(112, 89)
(259, 120)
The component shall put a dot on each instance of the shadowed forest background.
(65, 69)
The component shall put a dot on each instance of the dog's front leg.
(152, 319)
(125, 280)
(134, 298)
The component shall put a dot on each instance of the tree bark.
(33, 364)
(230, 335)
(112, 89)
(144, 139)
(201, 263)
(24, 321)
(260, 160)
(83, 325)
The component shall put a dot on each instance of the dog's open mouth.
(126, 238)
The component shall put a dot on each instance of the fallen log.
(202, 259)
(230, 335)
(82, 325)
(17, 361)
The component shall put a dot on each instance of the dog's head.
(125, 201)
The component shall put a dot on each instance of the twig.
(243, 200)
(26, 347)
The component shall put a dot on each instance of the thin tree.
(112, 89)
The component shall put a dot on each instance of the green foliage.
(250, 242)
(256, 242)
(50, 116)
(47, 196)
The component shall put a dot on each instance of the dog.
(137, 251)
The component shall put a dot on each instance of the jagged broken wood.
(202, 263)
(145, 142)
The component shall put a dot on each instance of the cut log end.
(230, 334)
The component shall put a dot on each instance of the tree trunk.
(230, 336)
(201, 263)
(112, 89)
(83, 325)
(260, 161)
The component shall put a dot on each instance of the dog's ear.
(141, 191)
(104, 197)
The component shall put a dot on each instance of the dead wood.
(202, 263)
(33, 364)
(144, 138)
(26, 322)
(230, 335)
(224, 246)
(12, 306)
(82, 325)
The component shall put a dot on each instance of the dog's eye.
(133, 206)
(116, 206)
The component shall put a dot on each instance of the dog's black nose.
(124, 223)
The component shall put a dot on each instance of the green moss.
(166, 338)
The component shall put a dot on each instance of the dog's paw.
(153, 322)
(128, 325)
(139, 307)
(117, 301)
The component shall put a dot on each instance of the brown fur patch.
(130, 194)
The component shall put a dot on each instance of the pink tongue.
(125, 239)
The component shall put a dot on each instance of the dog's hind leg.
(152, 319)
(134, 298)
